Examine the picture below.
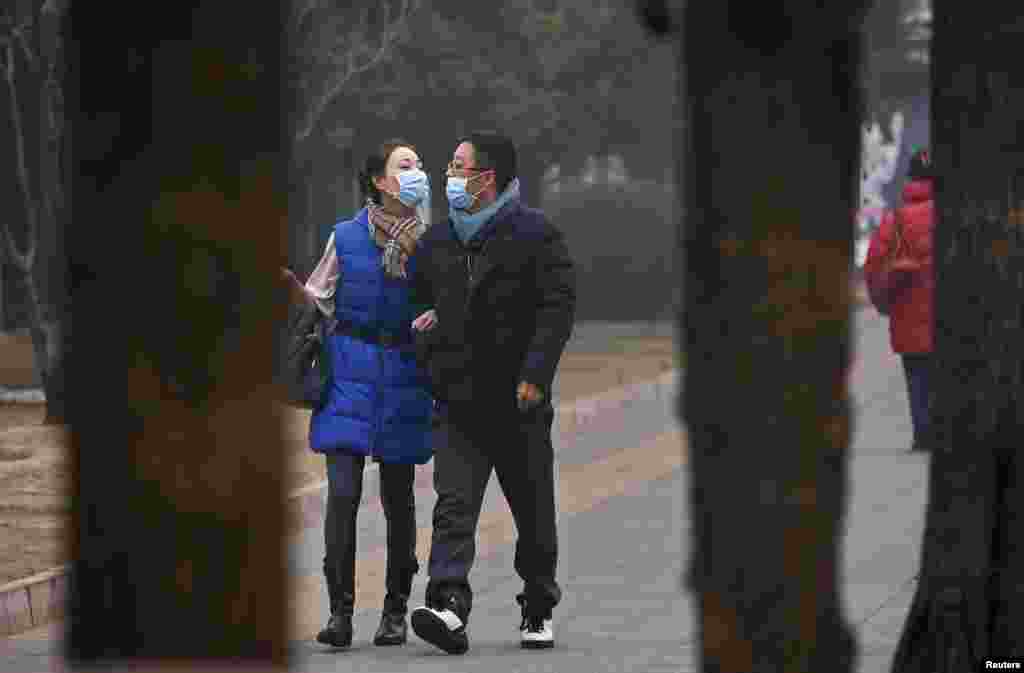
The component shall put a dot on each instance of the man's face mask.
(458, 196)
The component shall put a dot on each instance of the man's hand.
(528, 396)
(426, 321)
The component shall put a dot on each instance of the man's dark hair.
(495, 152)
(375, 166)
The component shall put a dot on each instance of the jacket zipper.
(470, 262)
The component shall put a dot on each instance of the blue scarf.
(467, 225)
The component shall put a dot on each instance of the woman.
(907, 296)
(377, 403)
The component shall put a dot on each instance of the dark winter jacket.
(378, 403)
(505, 307)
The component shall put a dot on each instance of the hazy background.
(586, 94)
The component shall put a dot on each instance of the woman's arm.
(297, 293)
(421, 294)
(874, 276)
(323, 282)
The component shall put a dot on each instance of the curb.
(22, 395)
(34, 601)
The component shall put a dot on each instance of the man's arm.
(555, 312)
(421, 294)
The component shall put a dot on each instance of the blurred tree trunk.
(770, 182)
(179, 188)
(970, 599)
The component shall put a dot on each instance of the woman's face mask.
(413, 187)
(405, 179)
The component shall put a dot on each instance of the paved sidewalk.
(624, 543)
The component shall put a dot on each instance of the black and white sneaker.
(536, 633)
(443, 627)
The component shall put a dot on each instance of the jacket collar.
(504, 215)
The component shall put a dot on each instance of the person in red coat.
(907, 297)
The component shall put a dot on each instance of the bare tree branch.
(302, 9)
(356, 57)
(20, 33)
(24, 261)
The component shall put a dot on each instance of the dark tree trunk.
(771, 170)
(970, 599)
(179, 190)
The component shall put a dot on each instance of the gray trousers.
(517, 447)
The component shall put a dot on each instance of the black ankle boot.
(338, 632)
(393, 629)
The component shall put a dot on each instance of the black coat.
(505, 306)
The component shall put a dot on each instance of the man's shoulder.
(532, 223)
(436, 233)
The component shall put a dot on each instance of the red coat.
(911, 326)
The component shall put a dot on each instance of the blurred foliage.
(623, 240)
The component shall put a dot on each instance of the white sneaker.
(536, 633)
(441, 626)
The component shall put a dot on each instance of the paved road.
(624, 541)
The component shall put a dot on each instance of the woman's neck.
(393, 206)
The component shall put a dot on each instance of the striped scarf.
(396, 236)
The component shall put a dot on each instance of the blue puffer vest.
(377, 403)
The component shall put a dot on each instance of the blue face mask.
(468, 224)
(413, 187)
(458, 197)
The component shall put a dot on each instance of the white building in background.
(879, 160)
(553, 179)
(615, 170)
(609, 170)
(917, 20)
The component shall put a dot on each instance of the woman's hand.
(426, 321)
(296, 290)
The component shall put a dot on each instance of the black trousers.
(517, 446)
(344, 492)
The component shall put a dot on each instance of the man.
(500, 279)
